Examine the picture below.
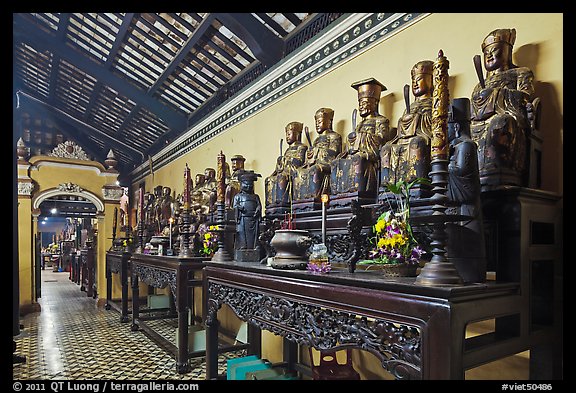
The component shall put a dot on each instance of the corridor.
(72, 338)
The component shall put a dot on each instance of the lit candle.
(170, 220)
(324, 203)
(440, 104)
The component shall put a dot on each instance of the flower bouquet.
(396, 251)
(209, 237)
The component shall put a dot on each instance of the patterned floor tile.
(74, 339)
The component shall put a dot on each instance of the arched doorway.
(66, 222)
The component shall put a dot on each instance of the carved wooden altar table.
(118, 263)
(416, 332)
(178, 274)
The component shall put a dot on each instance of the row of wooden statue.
(162, 207)
(499, 118)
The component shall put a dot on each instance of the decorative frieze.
(25, 187)
(397, 345)
(69, 187)
(69, 149)
(157, 278)
(112, 193)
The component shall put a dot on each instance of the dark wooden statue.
(354, 173)
(407, 155)
(313, 178)
(248, 211)
(466, 244)
(501, 110)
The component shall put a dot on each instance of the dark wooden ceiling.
(133, 82)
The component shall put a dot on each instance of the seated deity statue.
(278, 186)
(407, 155)
(355, 170)
(199, 205)
(502, 109)
(233, 186)
(313, 178)
(206, 192)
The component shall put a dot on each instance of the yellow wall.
(47, 173)
(539, 46)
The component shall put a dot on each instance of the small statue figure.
(279, 184)
(199, 206)
(233, 186)
(466, 242)
(248, 210)
(165, 207)
(209, 188)
(313, 178)
(501, 113)
(407, 155)
(355, 170)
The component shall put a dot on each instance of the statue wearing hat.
(466, 244)
(407, 156)
(355, 171)
(278, 185)
(502, 107)
(233, 186)
(313, 178)
(248, 211)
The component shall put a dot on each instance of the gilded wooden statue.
(313, 178)
(355, 170)
(407, 155)
(501, 110)
(278, 186)
(233, 186)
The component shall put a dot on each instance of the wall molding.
(346, 40)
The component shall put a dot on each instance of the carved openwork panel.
(158, 278)
(114, 265)
(397, 345)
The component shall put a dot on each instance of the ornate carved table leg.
(211, 324)
(135, 302)
(107, 306)
(182, 309)
(124, 282)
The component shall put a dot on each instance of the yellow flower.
(380, 225)
(207, 236)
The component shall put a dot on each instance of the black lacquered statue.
(248, 211)
(466, 244)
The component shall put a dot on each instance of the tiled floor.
(73, 338)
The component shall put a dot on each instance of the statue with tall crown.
(313, 178)
(354, 173)
(278, 186)
(407, 155)
(502, 108)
